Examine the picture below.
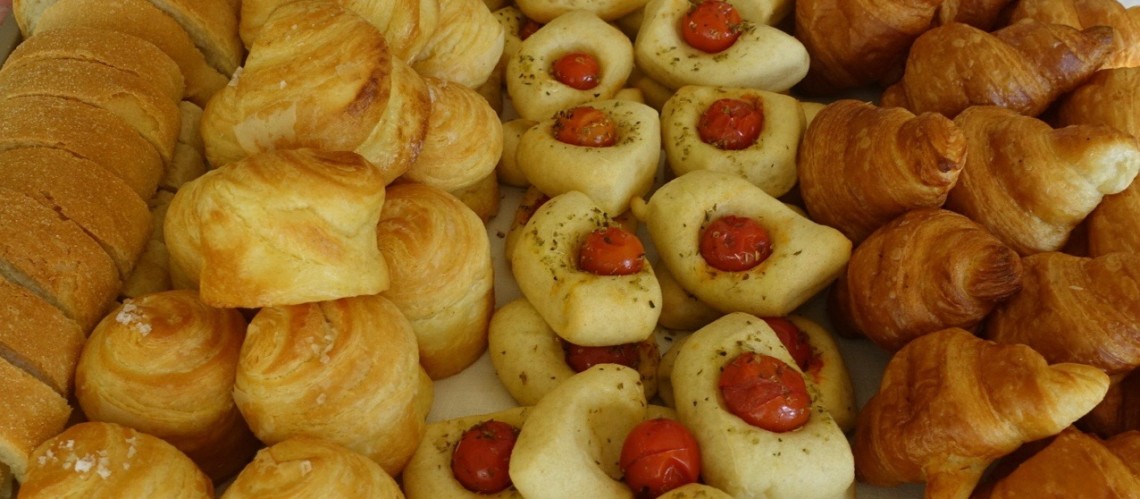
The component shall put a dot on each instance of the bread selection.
(304, 466)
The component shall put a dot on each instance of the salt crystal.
(85, 464)
(306, 467)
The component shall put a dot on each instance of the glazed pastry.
(804, 257)
(508, 170)
(38, 338)
(538, 94)
(280, 228)
(1081, 14)
(531, 360)
(439, 257)
(1073, 464)
(1109, 97)
(466, 46)
(1074, 309)
(34, 413)
(429, 474)
(1015, 164)
(104, 460)
(664, 55)
(464, 139)
(544, 11)
(813, 460)
(305, 466)
(611, 175)
(950, 403)
(767, 160)
(1023, 67)
(864, 165)
(164, 364)
(581, 306)
(284, 97)
(346, 371)
(1119, 411)
(925, 271)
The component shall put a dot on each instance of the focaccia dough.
(429, 476)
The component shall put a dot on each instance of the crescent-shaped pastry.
(763, 57)
(951, 403)
(813, 460)
(34, 413)
(610, 175)
(280, 228)
(1030, 184)
(464, 139)
(1119, 412)
(1081, 14)
(164, 364)
(534, 90)
(983, 14)
(429, 476)
(93, 459)
(346, 371)
(1075, 309)
(442, 280)
(311, 467)
(1109, 97)
(544, 11)
(466, 46)
(769, 161)
(581, 307)
(805, 258)
(1073, 464)
(925, 271)
(319, 76)
(862, 165)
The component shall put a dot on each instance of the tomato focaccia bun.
(793, 450)
(531, 359)
(466, 457)
(587, 277)
(752, 133)
(531, 200)
(319, 76)
(279, 228)
(750, 54)
(347, 371)
(439, 256)
(164, 364)
(608, 149)
(573, 59)
(466, 47)
(311, 467)
(106, 460)
(695, 491)
(680, 310)
(545, 11)
(738, 249)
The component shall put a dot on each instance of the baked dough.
(483, 197)
(695, 491)
(681, 310)
(37, 337)
(189, 161)
(1081, 14)
(806, 256)
(151, 273)
(429, 476)
(1109, 97)
(33, 413)
(508, 170)
(545, 11)
(770, 162)
(612, 175)
(311, 467)
(464, 139)
(466, 46)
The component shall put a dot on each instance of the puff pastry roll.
(535, 88)
(94, 459)
(811, 460)
(311, 467)
(1081, 14)
(442, 280)
(280, 228)
(467, 45)
(34, 413)
(164, 364)
(662, 53)
(1015, 169)
(1023, 67)
(804, 257)
(346, 371)
(695, 137)
(1075, 309)
(925, 271)
(322, 77)
(610, 173)
(864, 165)
(464, 140)
(430, 473)
(1110, 97)
(1073, 464)
(951, 403)
(38, 338)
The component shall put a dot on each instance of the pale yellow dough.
(545, 11)
(508, 169)
(428, 475)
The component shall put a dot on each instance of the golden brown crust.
(464, 138)
(466, 45)
(38, 338)
(310, 467)
(213, 27)
(982, 14)
(33, 413)
(1083, 14)
(1110, 97)
(1073, 464)
(1119, 411)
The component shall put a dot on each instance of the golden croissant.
(1073, 464)
(1087, 13)
(1119, 411)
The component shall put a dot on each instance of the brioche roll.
(311, 467)
(34, 412)
(37, 337)
(464, 138)
(346, 371)
(465, 47)
(428, 475)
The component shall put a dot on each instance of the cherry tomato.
(482, 457)
(731, 124)
(577, 70)
(611, 251)
(659, 455)
(581, 358)
(765, 392)
(733, 244)
(528, 28)
(585, 126)
(711, 26)
(795, 340)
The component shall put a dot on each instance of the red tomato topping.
(765, 392)
(711, 26)
(482, 457)
(795, 340)
(578, 70)
(585, 126)
(611, 251)
(581, 358)
(659, 455)
(528, 28)
(731, 124)
(733, 244)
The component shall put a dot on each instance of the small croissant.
(1119, 411)
(861, 166)
(951, 403)
(1082, 14)
(982, 14)
(1110, 97)
(1073, 464)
